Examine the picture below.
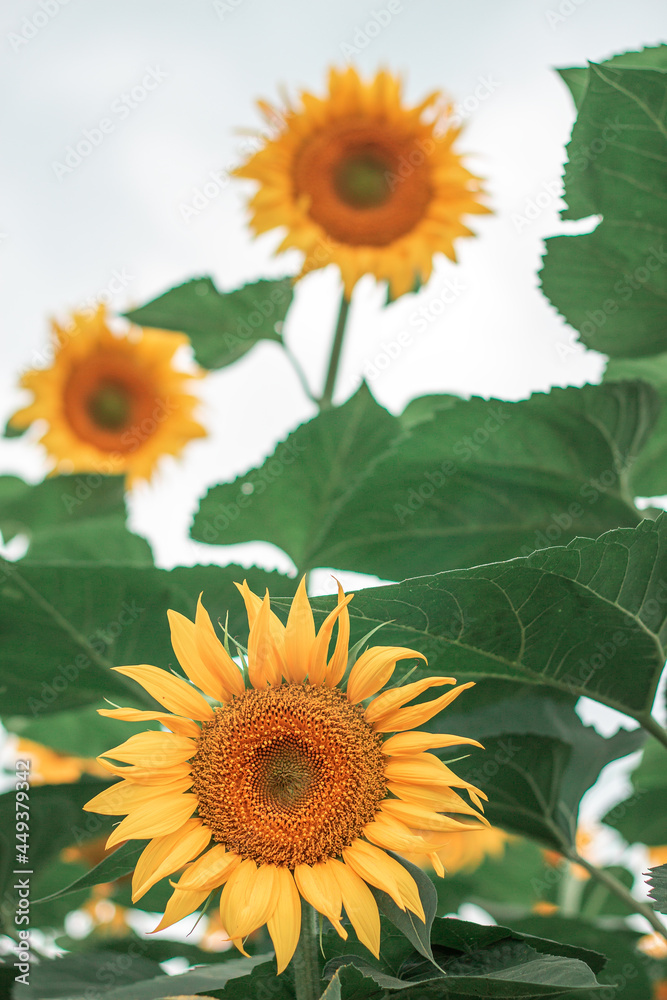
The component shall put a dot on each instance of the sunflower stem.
(306, 965)
(653, 727)
(326, 400)
(618, 889)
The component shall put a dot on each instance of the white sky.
(120, 211)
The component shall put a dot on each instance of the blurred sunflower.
(291, 777)
(465, 850)
(114, 404)
(49, 767)
(362, 181)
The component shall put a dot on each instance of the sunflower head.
(277, 784)
(360, 180)
(114, 404)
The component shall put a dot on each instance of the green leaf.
(648, 474)
(611, 284)
(223, 326)
(475, 961)
(91, 973)
(79, 517)
(417, 931)
(587, 619)
(121, 862)
(658, 890)
(467, 481)
(261, 984)
(66, 625)
(314, 468)
(204, 978)
(639, 818)
(56, 821)
(625, 971)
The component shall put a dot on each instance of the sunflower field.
(382, 713)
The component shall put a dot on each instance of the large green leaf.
(642, 817)
(648, 474)
(78, 517)
(120, 862)
(222, 326)
(311, 472)
(56, 821)
(64, 625)
(611, 285)
(473, 961)
(587, 619)
(465, 482)
(625, 974)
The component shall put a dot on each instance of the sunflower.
(114, 404)
(288, 784)
(364, 182)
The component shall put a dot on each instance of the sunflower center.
(288, 775)
(110, 406)
(362, 180)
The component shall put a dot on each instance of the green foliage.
(611, 284)
(93, 617)
(639, 818)
(452, 483)
(648, 473)
(587, 619)
(74, 518)
(222, 326)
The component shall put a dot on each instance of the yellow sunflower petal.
(377, 868)
(146, 775)
(359, 904)
(174, 693)
(248, 900)
(338, 663)
(155, 819)
(214, 655)
(299, 635)
(426, 819)
(374, 668)
(154, 750)
(123, 797)
(184, 641)
(389, 701)
(183, 727)
(406, 718)
(436, 797)
(165, 855)
(263, 665)
(318, 885)
(253, 604)
(317, 670)
(211, 870)
(181, 904)
(284, 924)
(416, 742)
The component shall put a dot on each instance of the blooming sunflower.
(297, 786)
(362, 181)
(114, 404)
